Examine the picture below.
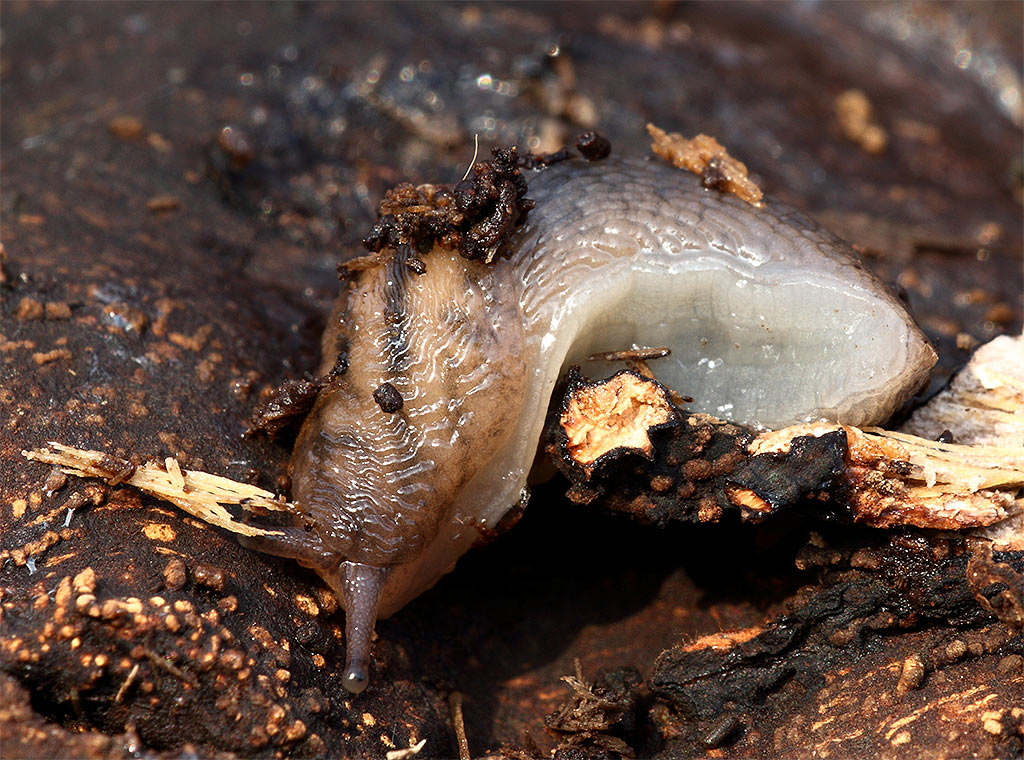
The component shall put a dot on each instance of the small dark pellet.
(718, 731)
(388, 398)
(713, 177)
(593, 146)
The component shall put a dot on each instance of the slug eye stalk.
(362, 585)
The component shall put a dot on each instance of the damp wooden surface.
(180, 184)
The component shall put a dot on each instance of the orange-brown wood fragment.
(707, 158)
(614, 415)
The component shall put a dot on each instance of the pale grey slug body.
(770, 320)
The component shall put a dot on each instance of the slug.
(429, 433)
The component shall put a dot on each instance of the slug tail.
(362, 586)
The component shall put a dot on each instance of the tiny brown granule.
(209, 576)
(125, 317)
(83, 603)
(258, 737)
(205, 371)
(232, 659)
(865, 559)
(295, 731)
(388, 398)
(55, 481)
(228, 604)
(696, 154)
(57, 310)
(1012, 664)
(159, 532)
(709, 510)
(163, 203)
(29, 309)
(45, 357)
(32, 548)
(12, 345)
(991, 721)
(174, 574)
(747, 499)
(126, 127)
(160, 143)
(307, 605)
(726, 463)
(911, 675)
(1002, 314)
(85, 581)
(696, 469)
(856, 118)
(661, 483)
(686, 490)
(192, 342)
(327, 601)
(18, 507)
(955, 650)
(592, 146)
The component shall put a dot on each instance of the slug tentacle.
(362, 586)
(428, 436)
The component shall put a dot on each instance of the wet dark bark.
(180, 184)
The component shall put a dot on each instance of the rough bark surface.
(180, 185)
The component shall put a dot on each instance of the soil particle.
(477, 217)
(388, 398)
(593, 146)
(282, 405)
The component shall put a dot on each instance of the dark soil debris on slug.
(476, 217)
(592, 146)
(388, 398)
(284, 404)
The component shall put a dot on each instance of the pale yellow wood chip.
(200, 494)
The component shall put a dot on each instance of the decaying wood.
(705, 467)
(610, 418)
(895, 625)
(874, 583)
(984, 400)
(917, 544)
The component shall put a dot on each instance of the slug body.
(771, 321)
